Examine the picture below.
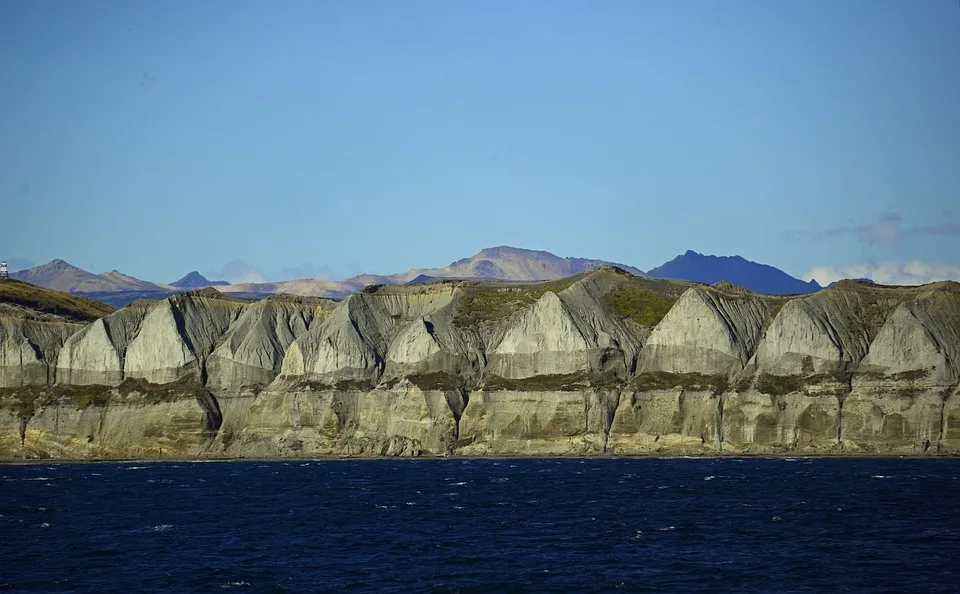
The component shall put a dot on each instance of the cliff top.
(51, 302)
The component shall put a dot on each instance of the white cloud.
(238, 271)
(914, 272)
(885, 230)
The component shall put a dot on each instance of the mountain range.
(502, 263)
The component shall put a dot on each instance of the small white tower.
(3, 270)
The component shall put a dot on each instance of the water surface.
(748, 525)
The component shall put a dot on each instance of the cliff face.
(603, 362)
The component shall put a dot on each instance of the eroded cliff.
(599, 363)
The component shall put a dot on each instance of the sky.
(290, 139)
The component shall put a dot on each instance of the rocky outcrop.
(601, 363)
(251, 351)
(97, 354)
(708, 331)
(674, 420)
(30, 347)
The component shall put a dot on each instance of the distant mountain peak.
(195, 280)
(63, 276)
(58, 264)
(512, 263)
(760, 278)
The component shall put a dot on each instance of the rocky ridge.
(603, 362)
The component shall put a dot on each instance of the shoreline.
(195, 460)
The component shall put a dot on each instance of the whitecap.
(459, 484)
(161, 528)
(880, 476)
(709, 478)
(457, 507)
(666, 528)
(227, 585)
(409, 503)
(136, 467)
(45, 525)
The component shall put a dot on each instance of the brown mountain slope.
(63, 276)
(49, 301)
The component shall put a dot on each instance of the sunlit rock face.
(600, 363)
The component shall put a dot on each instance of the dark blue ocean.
(514, 525)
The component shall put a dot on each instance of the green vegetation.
(482, 305)
(438, 380)
(341, 385)
(912, 376)
(639, 304)
(567, 382)
(779, 385)
(84, 396)
(693, 382)
(160, 393)
(25, 400)
(909, 392)
(48, 301)
(775, 310)
(904, 376)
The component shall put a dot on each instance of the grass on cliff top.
(643, 305)
(49, 301)
(490, 303)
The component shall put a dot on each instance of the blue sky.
(328, 138)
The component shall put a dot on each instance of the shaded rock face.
(603, 363)
(252, 350)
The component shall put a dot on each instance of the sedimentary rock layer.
(600, 363)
